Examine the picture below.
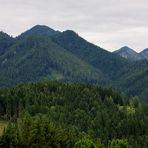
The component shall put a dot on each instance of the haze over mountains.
(42, 53)
(132, 55)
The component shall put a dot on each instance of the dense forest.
(42, 53)
(57, 90)
(67, 115)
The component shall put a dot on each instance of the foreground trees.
(84, 143)
(40, 132)
(37, 132)
(118, 143)
(82, 110)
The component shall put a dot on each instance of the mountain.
(144, 53)
(39, 30)
(5, 42)
(128, 53)
(37, 58)
(99, 58)
(116, 68)
(44, 54)
(134, 79)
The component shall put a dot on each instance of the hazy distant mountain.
(144, 53)
(39, 30)
(128, 53)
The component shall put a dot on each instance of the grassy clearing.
(3, 124)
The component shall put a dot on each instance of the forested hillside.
(99, 58)
(5, 42)
(70, 112)
(124, 75)
(78, 80)
(37, 58)
(42, 53)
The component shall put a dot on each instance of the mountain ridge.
(128, 53)
(66, 56)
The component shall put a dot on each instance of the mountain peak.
(125, 48)
(144, 53)
(5, 42)
(70, 32)
(128, 53)
(44, 27)
(4, 34)
(39, 30)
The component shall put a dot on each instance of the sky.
(110, 24)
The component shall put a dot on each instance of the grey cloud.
(107, 23)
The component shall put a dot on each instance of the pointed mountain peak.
(144, 53)
(125, 49)
(39, 30)
(128, 53)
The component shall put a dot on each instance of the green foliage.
(118, 143)
(84, 143)
(35, 132)
(3, 125)
(81, 109)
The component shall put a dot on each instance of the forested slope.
(130, 77)
(110, 64)
(42, 53)
(37, 58)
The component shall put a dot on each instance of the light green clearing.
(3, 125)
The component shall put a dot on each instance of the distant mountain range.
(41, 53)
(132, 55)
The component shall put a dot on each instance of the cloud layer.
(110, 24)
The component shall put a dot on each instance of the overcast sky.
(110, 24)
